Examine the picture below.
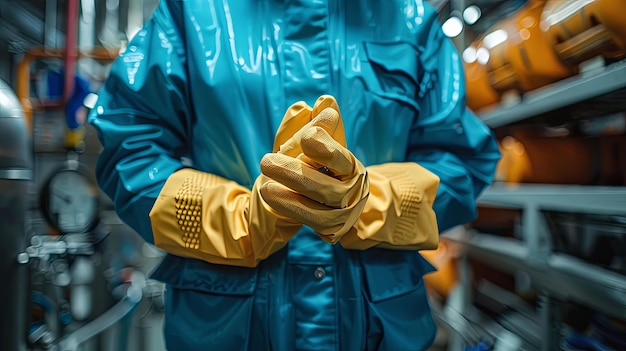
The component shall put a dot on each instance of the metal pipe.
(50, 23)
(71, 48)
(16, 166)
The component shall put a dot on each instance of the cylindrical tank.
(15, 175)
(524, 60)
(513, 56)
(582, 29)
(480, 93)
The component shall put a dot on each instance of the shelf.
(563, 276)
(558, 95)
(604, 200)
(594, 93)
(588, 284)
(505, 253)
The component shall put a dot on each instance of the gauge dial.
(70, 200)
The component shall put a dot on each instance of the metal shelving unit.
(561, 94)
(563, 276)
(567, 198)
(556, 276)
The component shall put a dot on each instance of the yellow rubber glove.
(398, 213)
(204, 216)
(299, 117)
(316, 180)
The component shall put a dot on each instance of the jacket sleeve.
(448, 139)
(142, 120)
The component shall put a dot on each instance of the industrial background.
(542, 268)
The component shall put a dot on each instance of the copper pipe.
(23, 71)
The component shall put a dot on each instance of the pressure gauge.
(69, 199)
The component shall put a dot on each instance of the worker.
(292, 158)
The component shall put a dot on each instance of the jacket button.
(319, 273)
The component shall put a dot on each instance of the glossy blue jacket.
(206, 83)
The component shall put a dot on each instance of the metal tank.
(15, 175)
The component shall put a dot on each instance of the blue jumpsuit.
(205, 84)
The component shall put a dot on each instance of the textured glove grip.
(207, 217)
(398, 213)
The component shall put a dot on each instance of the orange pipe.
(23, 70)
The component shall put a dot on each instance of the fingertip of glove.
(297, 107)
(274, 160)
(328, 119)
(317, 142)
(268, 190)
(275, 195)
(324, 101)
(272, 164)
(266, 161)
(314, 133)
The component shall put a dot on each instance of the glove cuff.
(204, 216)
(399, 211)
(178, 212)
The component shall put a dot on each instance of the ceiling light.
(452, 27)
(482, 56)
(471, 14)
(469, 55)
(495, 38)
(90, 100)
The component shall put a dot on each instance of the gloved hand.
(315, 179)
(398, 213)
(204, 216)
